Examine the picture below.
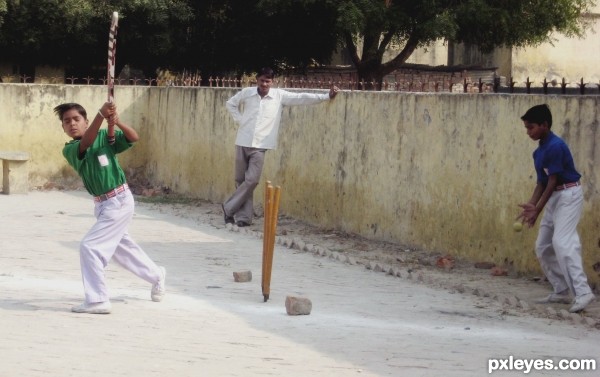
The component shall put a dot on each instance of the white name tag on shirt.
(103, 160)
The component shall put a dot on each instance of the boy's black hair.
(266, 71)
(60, 110)
(538, 114)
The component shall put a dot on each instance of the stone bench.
(15, 172)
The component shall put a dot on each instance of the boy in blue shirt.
(95, 160)
(559, 192)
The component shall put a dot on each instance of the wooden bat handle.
(110, 69)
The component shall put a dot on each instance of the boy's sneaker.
(581, 302)
(555, 298)
(158, 289)
(93, 308)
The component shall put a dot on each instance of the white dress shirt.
(259, 119)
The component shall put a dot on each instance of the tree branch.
(352, 50)
(409, 48)
(387, 37)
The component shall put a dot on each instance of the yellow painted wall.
(444, 172)
(570, 58)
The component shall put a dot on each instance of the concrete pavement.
(362, 323)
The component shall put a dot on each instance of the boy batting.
(95, 160)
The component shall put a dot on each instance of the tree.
(56, 22)
(223, 36)
(242, 35)
(152, 33)
(215, 37)
(74, 33)
(368, 28)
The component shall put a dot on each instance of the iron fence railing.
(418, 84)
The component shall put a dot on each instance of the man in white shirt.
(259, 127)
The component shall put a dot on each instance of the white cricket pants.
(108, 239)
(558, 247)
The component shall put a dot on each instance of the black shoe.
(242, 224)
(228, 219)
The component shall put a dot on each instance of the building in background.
(568, 58)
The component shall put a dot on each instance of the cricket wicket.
(272, 195)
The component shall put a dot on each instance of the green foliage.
(3, 10)
(55, 21)
(151, 32)
(243, 35)
(519, 23)
(224, 36)
(376, 24)
(74, 33)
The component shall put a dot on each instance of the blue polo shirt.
(551, 157)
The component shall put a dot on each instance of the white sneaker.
(581, 302)
(158, 289)
(555, 298)
(93, 308)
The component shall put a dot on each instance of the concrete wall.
(443, 172)
(434, 55)
(571, 58)
(461, 54)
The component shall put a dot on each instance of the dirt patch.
(516, 292)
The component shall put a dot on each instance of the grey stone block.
(297, 305)
(242, 276)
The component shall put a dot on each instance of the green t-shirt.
(98, 167)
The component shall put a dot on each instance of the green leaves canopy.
(377, 24)
(74, 33)
(218, 36)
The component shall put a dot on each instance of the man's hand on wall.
(333, 91)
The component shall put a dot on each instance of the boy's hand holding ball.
(527, 216)
(518, 226)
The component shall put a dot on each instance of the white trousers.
(108, 239)
(558, 247)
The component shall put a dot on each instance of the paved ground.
(363, 323)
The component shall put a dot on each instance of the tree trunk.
(370, 76)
